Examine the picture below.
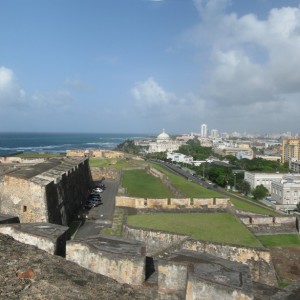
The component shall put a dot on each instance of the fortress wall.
(95, 153)
(261, 220)
(155, 172)
(156, 203)
(264, 220)
(54, 196)
(173, 203)
(23, 198)
(258, 260)
(210, 290)
(99, 173)
(155, 241)
(67, 196)
(129, 269)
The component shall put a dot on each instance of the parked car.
(97, 190)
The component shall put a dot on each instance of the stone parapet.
(45, 236)
(119, 259)
(7, 219)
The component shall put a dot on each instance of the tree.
(260, 192)
(244, 187)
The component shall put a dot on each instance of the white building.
(286, 191)
(164, 143)
(179, 157)
(294, 165)
(214, 133)
(203, 130)
(266, 179)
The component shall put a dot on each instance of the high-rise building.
(290, 149)
(204, 130)
(214, 133)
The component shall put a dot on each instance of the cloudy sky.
(137, 66)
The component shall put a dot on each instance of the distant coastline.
(15, 142)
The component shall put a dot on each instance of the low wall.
(265, 220)
(116, 258)
(20, 160)
(155, 241)
(173, 203)
(258, 259)
(100, 173)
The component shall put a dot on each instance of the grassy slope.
(194, 190)
(217, 227)
(280, 240)
(141, 184)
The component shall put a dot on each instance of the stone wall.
(173, 203)
(265, 220)
(116, 258)
(155, 241)
(108, 173)
(54, 195)
(95, 153)
(20, 160)
(258, 259)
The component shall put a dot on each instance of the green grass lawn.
(113, 163)
(280, 240)
(141, 184)
(216, 227)
(194, 190)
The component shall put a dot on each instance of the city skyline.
(142, 65)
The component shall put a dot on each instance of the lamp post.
(234, 177)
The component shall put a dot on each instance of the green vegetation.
(194, 149)
(280, 240)
(117, 225)
(129, 147)
(115, 163)
(40, 155)
(193, 190)
(141, 184)
(215, 227)
(259, 192)
(241, 205)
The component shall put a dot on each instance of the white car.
(98, 190)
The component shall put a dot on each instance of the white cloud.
(149, 93)
(254, 63)
(11, 94)
(60, 100)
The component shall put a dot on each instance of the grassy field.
(194, 190)
(113, 163)
(141, 184)
(280, 240)
(216, 227)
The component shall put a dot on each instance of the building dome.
(163, 137)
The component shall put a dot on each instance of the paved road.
(101, 216)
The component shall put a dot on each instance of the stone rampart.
(173, 203)
(108, 173)
(266, 220)
(45, 236)
(20, 160)
(155, 241)
(120, 259)
(52, 192)
(95, 153)
(258, 259)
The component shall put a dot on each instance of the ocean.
(60, 142)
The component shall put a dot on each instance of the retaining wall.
(99, 173)
(258, 259)
(173, 203)
(265, 220)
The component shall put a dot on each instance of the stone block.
(45, 236)
(7, 219)
(119, 259)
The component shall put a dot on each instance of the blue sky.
(137, 66)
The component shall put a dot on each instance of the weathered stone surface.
(120, 259)
(7, 219)
(53, 277)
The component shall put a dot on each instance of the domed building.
(164, 143)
